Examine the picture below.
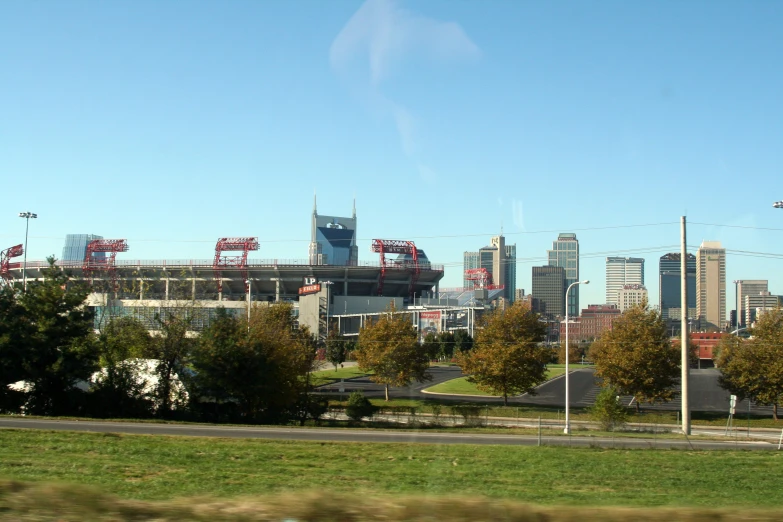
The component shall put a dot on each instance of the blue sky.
(174, 123)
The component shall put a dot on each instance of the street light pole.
(247, 285)
(27, 216)
(567, 429)
(327, 284)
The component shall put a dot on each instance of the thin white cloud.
(374, 45)
(518, 215)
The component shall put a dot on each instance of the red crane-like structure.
(110, 247)
(393, 246)
(5, 262)
(232, 244)
(481, 279)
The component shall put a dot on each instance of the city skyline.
(132, 119)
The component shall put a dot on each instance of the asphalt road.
(705, 393)
(348, 435)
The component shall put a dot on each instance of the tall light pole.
(27, 216)
(327, 284)
(567, 429)
(737, 304)
(247, 284)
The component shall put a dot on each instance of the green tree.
(16, 332)
(637, 357)
(608, 411)
(61, 350)
(171, 348)
(336, 349)
(447, 344)
(753, 368)
(120, 388)
(264, 369)
(359, 407)
(575, 353)
(508, 358)
(431, 345)
(463, 342)
(389, 348)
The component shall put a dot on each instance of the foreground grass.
(164, 468)
(36, 502)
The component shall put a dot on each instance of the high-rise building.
(500, 260)
(621, 271)
(333, 239)
(76, 247)
(757, 304)
(565, 254)
(630, 295)
(711, 285)
(549, 290)
(746, 287)
(669, 284)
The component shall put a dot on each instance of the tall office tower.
(669, 281)
(621, 271)
(565, 254)
(549, 290)
(746, 287)
(757, 304)
(711, 284)
(333, 239)
(499, 260)
(76, 246)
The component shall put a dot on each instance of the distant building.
(755, 305)
(621, 271)
(75, 247)
(519, 294)
(711, 285)
(500, 261)
(669, 284)
(594, 321)
(631, 295)
(333, 239)
(746, 287)
(549, 290)
(565, 254)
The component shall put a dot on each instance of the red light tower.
(393, 246)
(5, 262)
(232, 244)
(93, 264)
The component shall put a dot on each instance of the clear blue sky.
(174, 123)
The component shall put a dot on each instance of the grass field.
(322, 377)
(162, 468)
(461, 386)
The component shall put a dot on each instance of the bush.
(359, 407)
(608, 411)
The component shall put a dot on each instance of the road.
(705, 393)
(350, 435)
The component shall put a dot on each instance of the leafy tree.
(359, 407)
(753, 369)
(336, 349)
(637, 357)
(389, 348)
(447, 344)
(575, 353)
(61, 350)
(508, 358)
(608, 411)
(431, 345)
(171, 348)
(264, 369)
(121, 388)
(16, 332)
(463, 342)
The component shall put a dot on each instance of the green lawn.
(152, 467)
(461, 386)
(328, 376)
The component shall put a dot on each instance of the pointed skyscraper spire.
(315, 206)
(354, 207)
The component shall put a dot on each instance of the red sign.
(309, 289)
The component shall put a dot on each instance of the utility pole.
(686, 411)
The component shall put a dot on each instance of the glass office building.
(76, 246)
(565, 254)
(670, 279)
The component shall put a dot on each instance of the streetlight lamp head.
(586, 282)
(778, 204)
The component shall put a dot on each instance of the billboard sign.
(429, 322)
(310, 289)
